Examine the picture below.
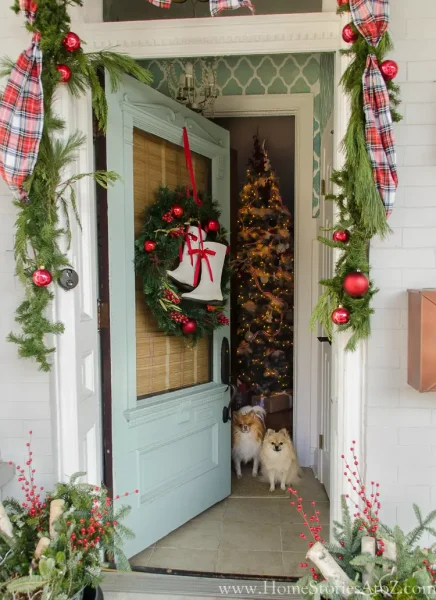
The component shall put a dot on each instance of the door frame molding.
(301, 106)
(222, 36)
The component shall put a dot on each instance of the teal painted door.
(173, 447)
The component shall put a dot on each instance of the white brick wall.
(401, 435)
(24, 391)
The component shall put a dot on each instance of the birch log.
(43, 543)
(390, 553)
(5, 523)
(368, 547)
(56, 509)
(330, 570)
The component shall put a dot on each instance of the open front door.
(325, 349)
(169, 440)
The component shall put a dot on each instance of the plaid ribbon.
(216, 6)
(29, 8)
(371, 18)
(21, 119)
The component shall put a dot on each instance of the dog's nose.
(277, 448)
(244, 427)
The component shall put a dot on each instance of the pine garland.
(39, 231)
(358, 202)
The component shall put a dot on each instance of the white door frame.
(301, 107)
(222, 36)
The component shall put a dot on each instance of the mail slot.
(422, 340)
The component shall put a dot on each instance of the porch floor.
(249, 533)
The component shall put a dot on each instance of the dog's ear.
(285, 432)
(270, 431)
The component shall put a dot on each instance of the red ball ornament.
(340, 316)
(41, 277)
(389, 70)
(33, 7)
(149, 245)
(65, 73)
(177, 210)
(71, 42)
(341, 236)
(213, 225)
(342, 2)
(349, 34)
(189, 327)
(356, 284)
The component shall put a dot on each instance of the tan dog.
(279, 460)
(248, 429)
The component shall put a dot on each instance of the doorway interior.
(227, 533)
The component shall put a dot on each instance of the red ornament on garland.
(340, 316)
(149, 245)
(389, 70)
(189, 327)
(213, 225)
(65, 73)
(177, 210)
(71, 42)
(41, 277)
(356, 284)
(342, 2)
(341, 235)
(349, 34)
(33, 7)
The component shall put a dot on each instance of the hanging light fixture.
(192, 82)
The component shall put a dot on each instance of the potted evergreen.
(51, 546)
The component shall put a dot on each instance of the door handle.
(324, 339)
(225, 361)
(227, 410)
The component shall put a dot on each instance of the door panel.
(325, 272)
(170, 445)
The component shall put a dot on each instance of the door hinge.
(321, 442)
(323, 187)
(102, 315)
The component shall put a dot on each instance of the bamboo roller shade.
(163, 363)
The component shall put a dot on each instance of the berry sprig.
(171, 296)
(168, 217)
(33, 503)
(222, 319)
(179, 318)
(178, 231)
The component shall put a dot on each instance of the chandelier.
(192, 82)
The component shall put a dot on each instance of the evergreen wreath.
(157, 250)
(360, 211)
(39, 230)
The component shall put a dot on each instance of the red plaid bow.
(216, 6)
(371, 18)
(21, 119)
(29, 7)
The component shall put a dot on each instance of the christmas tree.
(265, 281)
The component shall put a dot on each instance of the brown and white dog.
(248, 429)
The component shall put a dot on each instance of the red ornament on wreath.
(65, 73)
(213, 225)
(71, 42)
(41, 277)
(177, 210)
(341, 235)
(356, 284)
(349, 34)
(340, 316)
(149, 245)
(389, 70)
(190, 327)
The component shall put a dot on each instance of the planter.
(92, 594)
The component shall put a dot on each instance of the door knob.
(227, 410)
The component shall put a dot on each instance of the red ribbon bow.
(188, 237)
(202, 254)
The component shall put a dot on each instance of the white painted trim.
(302, 107)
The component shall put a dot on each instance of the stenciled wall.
(274, 74)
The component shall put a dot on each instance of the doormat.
(253, 487)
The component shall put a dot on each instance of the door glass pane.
(163, 363)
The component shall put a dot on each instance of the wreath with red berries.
(158, 250)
